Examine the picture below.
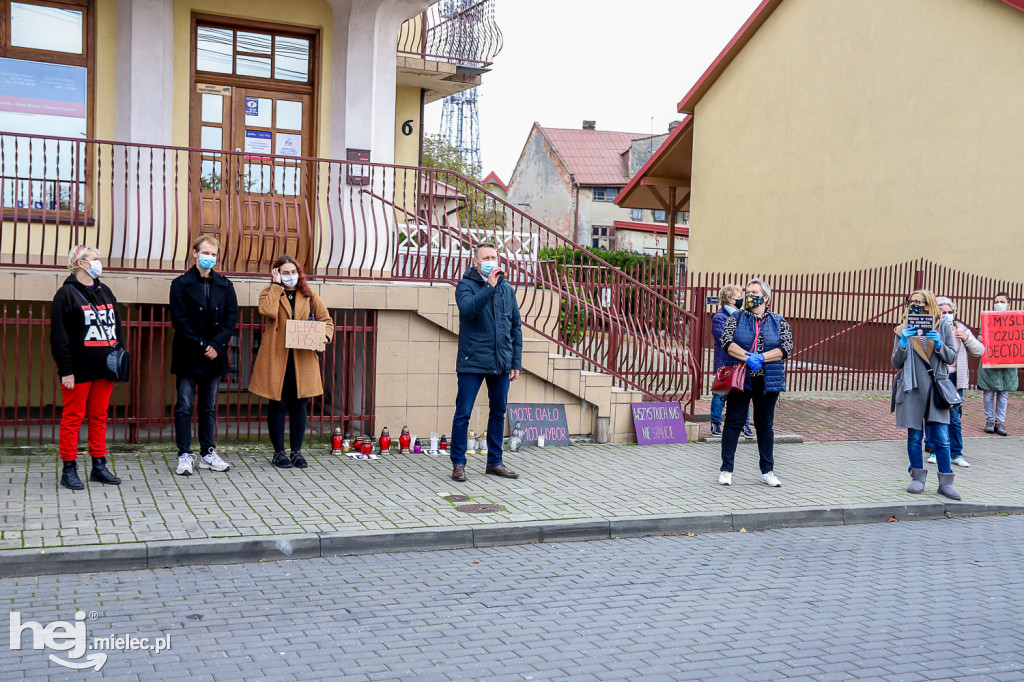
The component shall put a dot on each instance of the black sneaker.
(716, 429)
(747, 432)
(281, 461)
(298, 461)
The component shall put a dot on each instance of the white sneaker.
(185, 461)
(725, 478)
(211, 460)
(933, 460)
(769, 479)
(960, 461)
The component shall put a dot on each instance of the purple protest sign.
(659, 423)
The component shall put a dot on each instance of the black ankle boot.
(282, 461)
(101, 473)
(69, 477)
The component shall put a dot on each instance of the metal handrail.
(345, 220)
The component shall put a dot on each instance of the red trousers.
(87, 401)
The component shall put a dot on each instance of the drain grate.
(480, 508)
(457, 498)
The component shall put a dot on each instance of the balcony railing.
(142, 205)
(462, 32)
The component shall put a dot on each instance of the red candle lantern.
(367, 446)
(336, 441)
(444, 443)
(384, 441)
(405, 440)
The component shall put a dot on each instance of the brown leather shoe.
(501, 470)
(459, 474)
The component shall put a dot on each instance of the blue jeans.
(938, 436)
(717, 404)
(497, 394)
(956, 434)
(188, 388)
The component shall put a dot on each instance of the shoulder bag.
(729, 378)
(944, 393)
(118, 363)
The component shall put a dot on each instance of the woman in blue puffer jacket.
(763, 340)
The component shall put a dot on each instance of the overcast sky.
(623, 64)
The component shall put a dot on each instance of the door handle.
(238, 173)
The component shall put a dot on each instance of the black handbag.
(944, 393)
(118, 363)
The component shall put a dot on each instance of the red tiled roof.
(593, 157)
(492, 177)
(742, 37)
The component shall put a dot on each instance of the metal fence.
(843, 322)
(141, 410)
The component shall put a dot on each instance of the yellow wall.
(309, 13)
(855, 134)
(407, 107)
(103, 69)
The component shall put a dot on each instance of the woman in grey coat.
(912, 400)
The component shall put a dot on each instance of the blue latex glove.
(908, 333)
(934, 336)
(755, 361)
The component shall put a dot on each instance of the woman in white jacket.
(964, 343)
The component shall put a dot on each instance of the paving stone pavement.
(405, 491)
(865, 416)
(930, 600)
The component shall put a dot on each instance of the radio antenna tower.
(473, 39)
(460, 125)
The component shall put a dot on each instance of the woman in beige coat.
(288, 377)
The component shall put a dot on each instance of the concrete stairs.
(609, 405)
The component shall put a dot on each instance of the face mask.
(290, 280)
(95, 268)
(916, 309)
(1000, 307)
(206, 262)
(737, 303)
(948, 317)
(487, 267)
(753, 301)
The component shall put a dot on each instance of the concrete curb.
(168, 553)
(780, 439)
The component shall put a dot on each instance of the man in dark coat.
(204, 314)
(491, 350)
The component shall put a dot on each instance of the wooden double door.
(253, 187)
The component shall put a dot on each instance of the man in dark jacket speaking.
(491, 350)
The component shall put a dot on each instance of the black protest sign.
(540, 419)
(923, 323)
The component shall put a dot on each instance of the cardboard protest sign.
(1003, 336)
(305, 335)
(659, 423)
(540, 419)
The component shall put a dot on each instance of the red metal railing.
(462, 32)
(142, 409)
(142, 204)
(843, 322)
